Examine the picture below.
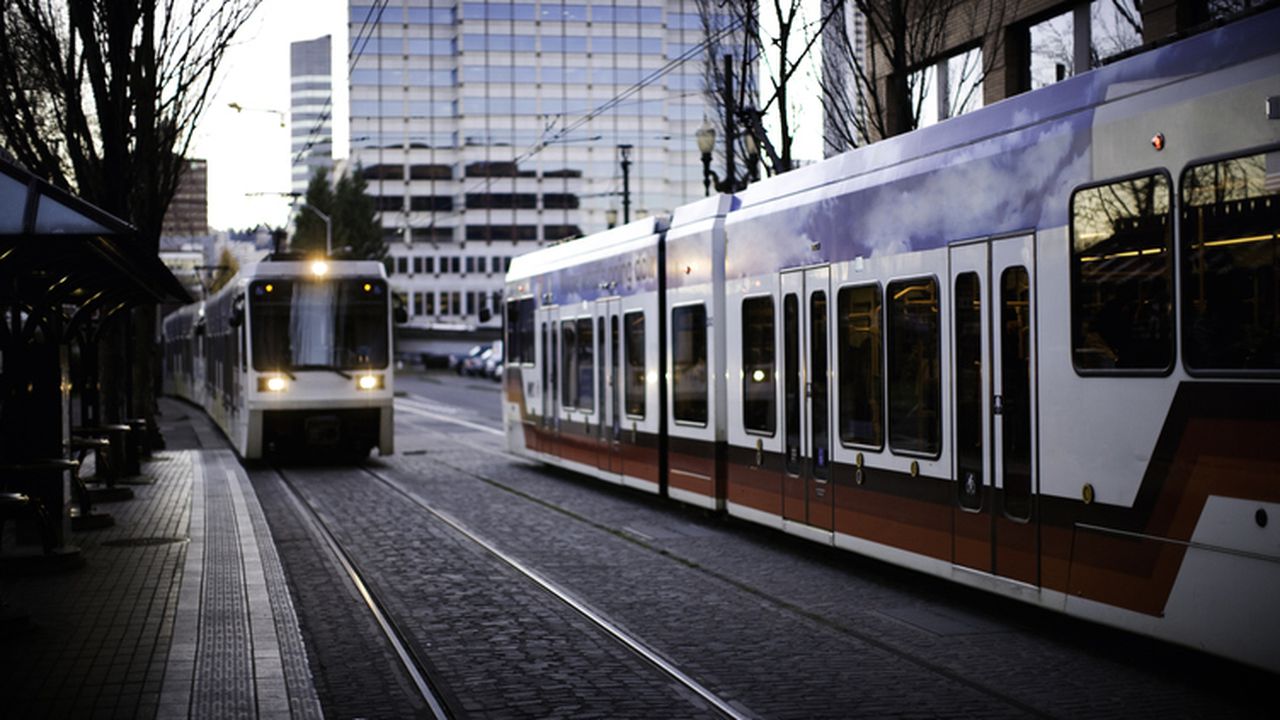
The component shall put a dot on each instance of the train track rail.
(414, 666)
(907, 655)
(426, 680)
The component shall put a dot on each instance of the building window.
(431, 172)
(915, 391)
(689, 363)
(417, 265)
(429, 264)
(1230, 265)
(480, 264)
(402, 265)
(1122, 277)
(426, 203)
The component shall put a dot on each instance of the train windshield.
(337, 324)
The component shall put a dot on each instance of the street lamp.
(706, 137)
(240, 108)
(328, 228)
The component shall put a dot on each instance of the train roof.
(615, 241)
(294, 268)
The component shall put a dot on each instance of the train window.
(633, 377)
(585, 366)
(915, 393)
(791, 380)
(568, 374)
(1015, 390)
(860, 358)
(819, 411)
(1122, 277)
(759, 381)
(340, 324)
(969, 394)
(520, 332)
(689, 363)
(1231, 265)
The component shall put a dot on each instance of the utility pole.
(625, 151)
(731, 119)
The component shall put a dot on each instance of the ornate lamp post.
(706, 138)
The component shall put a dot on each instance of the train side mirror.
(399, 313)
(237, 312)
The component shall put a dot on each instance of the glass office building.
(488, 129)
(310, 92)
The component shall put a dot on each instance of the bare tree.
(101, 97)
(875, 79)
(771, 43)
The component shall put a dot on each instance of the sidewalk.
(181, 608)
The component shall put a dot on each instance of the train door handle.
(997, 405)
(759, 452)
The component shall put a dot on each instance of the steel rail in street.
(413, 665)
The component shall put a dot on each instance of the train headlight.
(370, 382)
(319, 268)
(273, 384)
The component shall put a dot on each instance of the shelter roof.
(57, 247)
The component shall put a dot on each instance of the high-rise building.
(188, 213)
(488, 129)
(310, 109)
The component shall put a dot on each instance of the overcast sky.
(248, 152)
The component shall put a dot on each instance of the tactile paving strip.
(224, 669)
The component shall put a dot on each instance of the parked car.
(457, 363)
(474, 365)
(494, 360)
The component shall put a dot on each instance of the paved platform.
(180, 609)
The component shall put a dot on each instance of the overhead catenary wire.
(353, 56)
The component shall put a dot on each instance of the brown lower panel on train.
(639, 458)
(972, 529)
(1218, 439)
(692, 466)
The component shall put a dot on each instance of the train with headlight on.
(291, 357)
(1033, 349)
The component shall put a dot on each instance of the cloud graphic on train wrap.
(1015, 183)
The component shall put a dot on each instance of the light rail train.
(1034, 349)
(292, 356)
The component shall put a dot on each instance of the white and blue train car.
(1034, 349)
(292, 356)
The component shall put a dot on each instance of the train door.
(608, 381)
(550, 361)
(806, 363)
(993, 409)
